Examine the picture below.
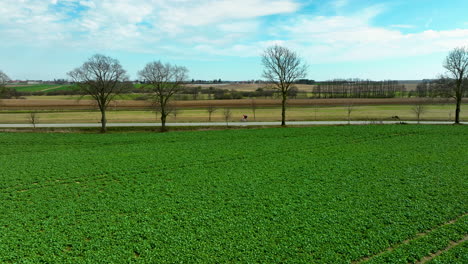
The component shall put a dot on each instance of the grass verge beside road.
(319, 113)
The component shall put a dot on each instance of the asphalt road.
(211, 124)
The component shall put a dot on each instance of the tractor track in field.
(174, 167)
(416, 237)
(434, 255)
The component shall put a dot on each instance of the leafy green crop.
(456, 255)
(36, 87)
(44, 88)
(293, 195)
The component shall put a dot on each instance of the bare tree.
(253, 105)
(164, 80)
(174, 110)
(3, 79)
(211, 109)
(456, 63)
(227, 115)
(33, 119)
(349, 109)
(102, 78)
(281, 68)
(315, 106)
(4, 92)
(419, 108)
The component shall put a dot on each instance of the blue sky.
(399, 39)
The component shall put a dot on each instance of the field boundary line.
(52, 88)
(231, 124)
(433, 255)
(407, 241)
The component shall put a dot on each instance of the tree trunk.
(457, 110)
(103, 121)
(283, 109)
(163, 122)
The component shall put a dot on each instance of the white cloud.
(354, 38)
(214, 28)
(135, 22)
(208, 12)
(88, 3)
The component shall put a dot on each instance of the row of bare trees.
(357, 88)
(283, 67)
(453, 84)
(441, 87)
(103, 78)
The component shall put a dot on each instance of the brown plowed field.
(31, 104)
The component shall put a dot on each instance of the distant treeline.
(439, 87)
(357, 88)
(351, 88)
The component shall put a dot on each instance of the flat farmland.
(72, 103)
(62, 110)
(41, 87)
(349, 194)
(199, 114)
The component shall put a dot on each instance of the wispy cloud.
(133, 24)
(215, 28)
(354, 38)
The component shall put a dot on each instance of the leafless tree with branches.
(102, 78)
(315, 106)
(163, 80)
(174, 110)
(227, 115)
(456, 63)
(4, 92)
(282, 67)
(3, 79)
(419, 109)
(349, 110)
(211, 109)
(253, 105)
(33, 119)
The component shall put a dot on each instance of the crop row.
(319, 195)
(417, 248)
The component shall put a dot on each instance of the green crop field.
(43, 87)
(345, 194)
